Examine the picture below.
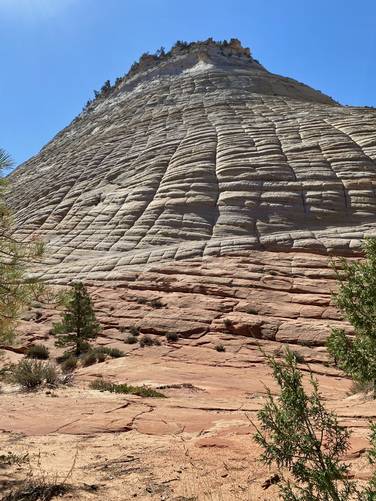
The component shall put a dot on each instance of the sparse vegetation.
(111, 352)
(17, 290)
(89, 358)
(31, 374)
(134, 330)
(172, 337)
(219, 347)
(69, 360)
(131, 339)
(356, 298)
(78, 324)
(147, 341)
(69, 364)
(227, 323)
(298, 433)
(141, 300)
(298, 357)
(11, 458)
(156, 303)
(37, 490)
(101, 356)
(38, 351)
(141, 391)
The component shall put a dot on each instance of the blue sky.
(55, 52)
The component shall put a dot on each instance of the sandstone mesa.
(204, 181)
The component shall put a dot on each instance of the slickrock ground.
(200, 195)
(197, 443)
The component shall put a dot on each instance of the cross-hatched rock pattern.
(201, 153)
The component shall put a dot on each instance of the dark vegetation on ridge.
(228, 48)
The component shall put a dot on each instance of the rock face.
(199, 198)
(199, 153)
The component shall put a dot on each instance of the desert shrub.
(111, 352)
(298, 433)
(157, 342)
(134, 330)
(11, 458)
(62, 358)
(220, 347)
(131, 339)
(156, 303)
(6, 373)
(115, 353)
(101, 357)
(141, 391)
(141, 300)
(227, 323)
(172, 337)
(30, 374)
(146, 341)
(69, 364)
(356, 299)
(360, 387)
(89, 359)
(38, 352)
(36, 490)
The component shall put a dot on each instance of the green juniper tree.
(298, 433)
(16, 288)
(78, 324)
(356, 298)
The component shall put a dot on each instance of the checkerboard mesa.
(199, 152)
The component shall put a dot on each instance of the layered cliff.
(196, 153)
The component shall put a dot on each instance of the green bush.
(134, 330)
(111, 352)
(131, 339)
(146, 341)
(30, 374)
(141, 391)
(172, 337)
(78, 324)
(38, 352)
(89, 359)
(298, 433)
(356, 298)
(69, 364)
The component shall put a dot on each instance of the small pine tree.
(299, 434)
(16, 289)
(356, 298)
(78, 324)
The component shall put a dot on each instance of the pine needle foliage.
(356, 298)
(299, 434)
(79, 324)
(16, 289)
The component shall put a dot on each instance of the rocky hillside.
(196, 153)
(200, 198)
